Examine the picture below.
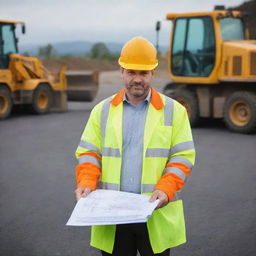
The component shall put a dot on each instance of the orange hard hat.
(138, 54)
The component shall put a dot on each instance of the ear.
(153, 71)
(121, 70)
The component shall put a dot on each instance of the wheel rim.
(240, 113)
(42, 100)
(3, 104)
(186, 105)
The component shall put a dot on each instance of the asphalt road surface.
(37, 182)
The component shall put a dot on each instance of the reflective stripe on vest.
(89, 159)
(182, 160)
(168, 111)
(182, 147)
(114, 152)
(108, 185)
(104, 118)
(164, 152)
(89, 146)
(176, 171)
(157, 152)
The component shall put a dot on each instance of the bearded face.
(137, 82)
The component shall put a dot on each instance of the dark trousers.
(130, 238)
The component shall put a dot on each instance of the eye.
(130, 72)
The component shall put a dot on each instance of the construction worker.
(138, 141)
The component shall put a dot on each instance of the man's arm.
(180, 161)
(88, 155)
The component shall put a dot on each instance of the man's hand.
(82, 192)
(163, 198)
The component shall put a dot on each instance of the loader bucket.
(60, 103)
(82, 85)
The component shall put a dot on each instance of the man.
(138, 141)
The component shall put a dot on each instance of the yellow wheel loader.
(25, 81)
(212, 66)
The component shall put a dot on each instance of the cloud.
(97, 20)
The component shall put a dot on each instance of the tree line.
(98, 51)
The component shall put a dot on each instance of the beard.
(138, 89)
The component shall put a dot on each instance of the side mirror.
(158, 25)
(23, 29)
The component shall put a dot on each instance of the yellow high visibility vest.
(167, 138)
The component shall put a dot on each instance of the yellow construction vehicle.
(212, 65)
(24, 80)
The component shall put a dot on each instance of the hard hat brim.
(137, 66)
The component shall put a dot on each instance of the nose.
(137, 79)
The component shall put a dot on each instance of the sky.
(51, 21)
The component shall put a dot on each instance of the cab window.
(8, 40)
(193, 50)
(231, 29)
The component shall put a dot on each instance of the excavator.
(212, 67)
(25, 81)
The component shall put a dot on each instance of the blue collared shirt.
(134, 119)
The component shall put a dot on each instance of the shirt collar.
(155, 100)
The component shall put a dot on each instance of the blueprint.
(106, 207)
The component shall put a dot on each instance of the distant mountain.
(32, 49)
(61, 48)
(74, 48)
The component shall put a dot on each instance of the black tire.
(240, 112)
(6, 103)
(189, 100)
(42, 100)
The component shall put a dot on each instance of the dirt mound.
(54, 65)
(80, 64)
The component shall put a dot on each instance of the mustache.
(137, 83)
